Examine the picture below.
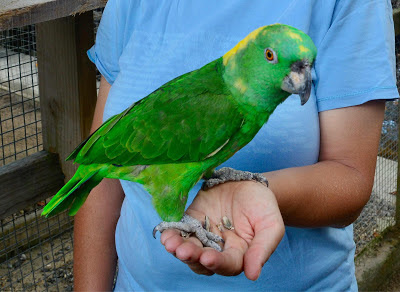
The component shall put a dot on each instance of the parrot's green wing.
(186, 120)
(105, 127)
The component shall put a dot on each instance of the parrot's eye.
(271, 56)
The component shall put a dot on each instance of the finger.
(266, 239)
(230, 261)
(167, 234)
(171, 239)
(186, 250)
(226, 263)
(190, 250)
(189, 253)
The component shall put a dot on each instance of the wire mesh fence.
(20, 125)
(36, 253)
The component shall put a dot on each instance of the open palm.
(258, 229)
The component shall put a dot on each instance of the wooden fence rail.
(16, 13)
(29, 180)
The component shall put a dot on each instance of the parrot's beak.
(299, 80)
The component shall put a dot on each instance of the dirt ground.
(46, 267)
(393, 284)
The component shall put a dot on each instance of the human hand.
(258, 229)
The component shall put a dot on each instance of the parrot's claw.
(226, 174)
(192, 226)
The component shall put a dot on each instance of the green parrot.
(182, 131)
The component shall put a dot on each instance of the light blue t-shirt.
(141, 45)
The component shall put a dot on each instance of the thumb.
(267, 235)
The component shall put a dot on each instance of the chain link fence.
(36, 253)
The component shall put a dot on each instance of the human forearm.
(333, 191)
(328, 193)
(94, 246)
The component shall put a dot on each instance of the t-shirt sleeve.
(110, 39)
(356, 58)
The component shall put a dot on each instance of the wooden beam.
(67, 83)
(16, 13)
(29, 180)
(396, 20)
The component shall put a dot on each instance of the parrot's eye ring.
(270, 56)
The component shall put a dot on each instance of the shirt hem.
(386, 93)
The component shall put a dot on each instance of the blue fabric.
(141, 45)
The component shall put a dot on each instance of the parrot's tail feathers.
(84, 193)
(72, 195)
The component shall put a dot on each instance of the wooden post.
(396, 20)
(67, 83)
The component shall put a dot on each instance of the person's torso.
(169, 38)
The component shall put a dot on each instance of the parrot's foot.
(189, 225)
(226, 174)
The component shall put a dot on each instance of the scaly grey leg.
(226, 174)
